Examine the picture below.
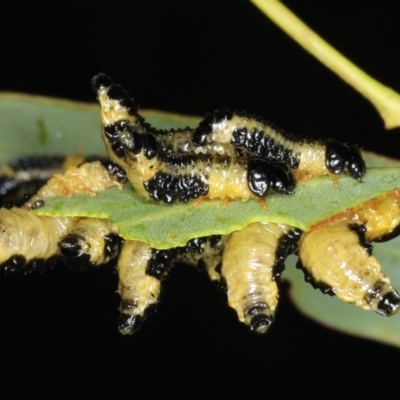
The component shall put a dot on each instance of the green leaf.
(165, 226)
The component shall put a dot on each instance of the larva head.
(263, 175)
(355, 163)
(282, 180)
(339, 157)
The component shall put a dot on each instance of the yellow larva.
(251, 266)
(336, 259)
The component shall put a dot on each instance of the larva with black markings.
(251, 267)
(228, 156)
(141, 270)
(27, 238)
(336, 259)
(257, 138)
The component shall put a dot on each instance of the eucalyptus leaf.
(165, 226)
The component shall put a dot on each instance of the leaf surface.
(165, 226)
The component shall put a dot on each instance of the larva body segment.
(251, 265)
(337, 260)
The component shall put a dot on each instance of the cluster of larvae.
(229, 156)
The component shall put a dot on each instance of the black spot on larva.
(150, 146)
(214, 240)
(130, 105)
(70, 246)
(355, 163)
(101, 81)
(389, 236)
(167, 188)
(112, 134)
(260, 323)
(195, 245)
(205, 127)
(27, 163)
(161, 263)
(260, 320)
(389, 303)
(112, 244)
(37, 204)
(360, 231)
(374, 291)
(322, 286)
(13, 264)
(260, 144)
(8, 186)
(129, 324)
(255, 309)
(239, 137)
(116, 92)
(115, 170)
(112, 131)
(118, 149)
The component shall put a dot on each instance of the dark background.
(58, 330)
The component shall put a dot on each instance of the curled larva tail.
(138, 290)
(336, 259)
(251, 265)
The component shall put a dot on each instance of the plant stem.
(383, 98)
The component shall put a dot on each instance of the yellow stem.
(383, 98)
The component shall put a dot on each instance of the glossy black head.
(282, 180)
(336, 155)
(101, 81)
(340, 157)
(263, 175)
(355, 163)
(259, 172)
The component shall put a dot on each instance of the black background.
(58, 331)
